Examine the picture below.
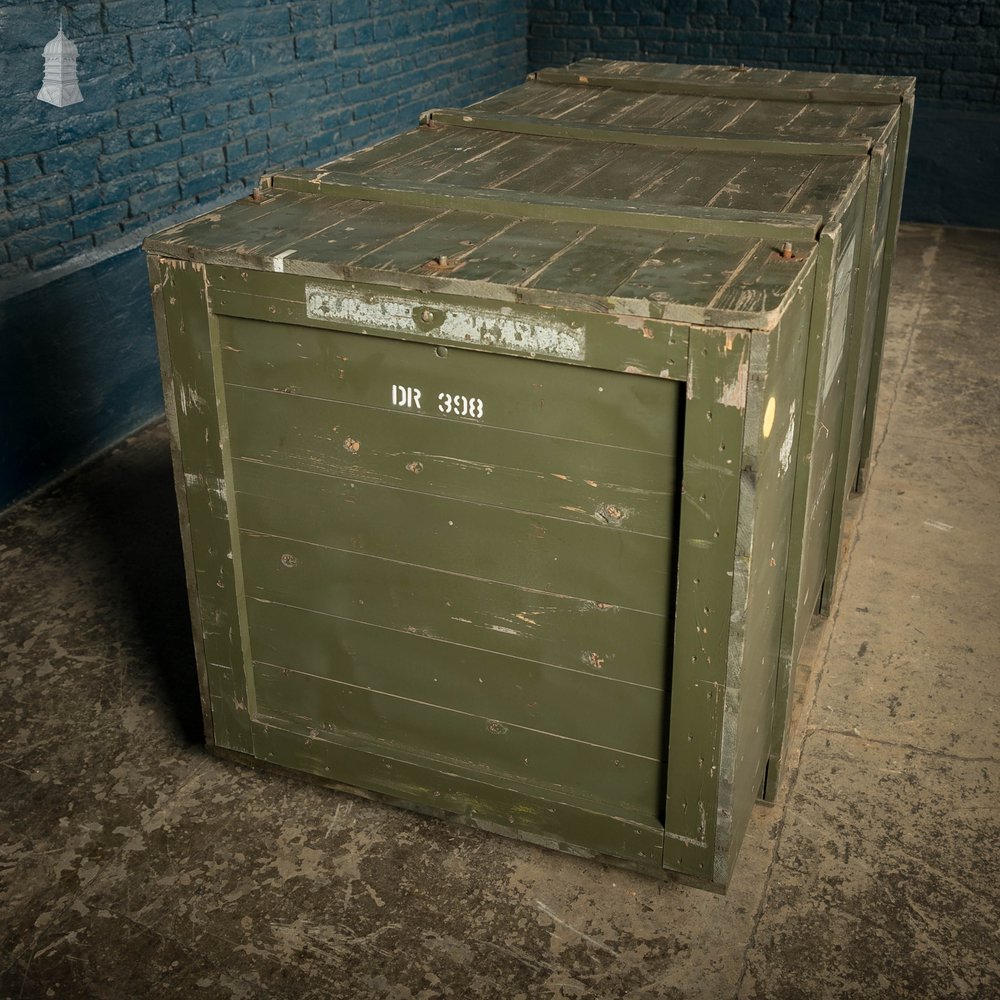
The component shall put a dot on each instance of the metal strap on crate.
(586, 211)
(696, 140)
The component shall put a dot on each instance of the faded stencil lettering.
(482, 328)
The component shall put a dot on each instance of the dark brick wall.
(186, 102)
(952, 47)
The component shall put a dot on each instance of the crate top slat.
(737, 81)
(646, 203)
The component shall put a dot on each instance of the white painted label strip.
(839, 317)
(486, 327)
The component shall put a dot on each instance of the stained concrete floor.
(133, 864)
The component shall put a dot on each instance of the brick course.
(187, 102)
(952, 48)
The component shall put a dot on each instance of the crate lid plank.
(659, 138)
(539, 164)
(720, 115)
(343, 238)
(756, 84)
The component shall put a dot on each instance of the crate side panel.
(196, 395)
(825, 408)
(586, 703)
(347, 525)
(456, 536)
(774, 406)
(613, 780)
(713, 437)
(555, 630)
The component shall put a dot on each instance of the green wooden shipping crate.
(512, 452)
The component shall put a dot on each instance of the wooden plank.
(657, 138)
(554, 477)
(601, 259)
(621, 781)
(581, 705)
(550, 817)
(486, 541)
(589, 632)
(757, 74)
(197, 425)
(452, 674)
(605, 408)
(600, 339)
(713, 436)
(797, 615)
(246, 231)
(772, 437)
(858, 367)
(687, 271)
(588, 211)
(720, 88)
(520, 250)
(888, 255)
(763, 281)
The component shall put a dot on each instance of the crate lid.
(694, 220)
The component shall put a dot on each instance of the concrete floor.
(132, 864)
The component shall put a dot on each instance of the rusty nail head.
(427, 316)
(442, 260)
(786, 251)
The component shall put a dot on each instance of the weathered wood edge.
(737, 612)
(658, 138)
(156, 279)
(714, 417)
(163, 244)
(867, 81)
(845, 478)
(589, 211)
(708, 88)
(658, 348)
(793, 624)
(461, 819)
(888, 256)
(206, 497)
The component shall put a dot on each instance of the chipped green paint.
(503, 463)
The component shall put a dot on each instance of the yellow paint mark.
(769, 416)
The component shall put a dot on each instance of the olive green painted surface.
(713, 437)
(764, 552)
(395, 573)
(757, 83)
(193, 405)
(699, 140)
(512, 452)
(461, 793)
(892, 228)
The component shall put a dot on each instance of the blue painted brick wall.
(187, 102)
